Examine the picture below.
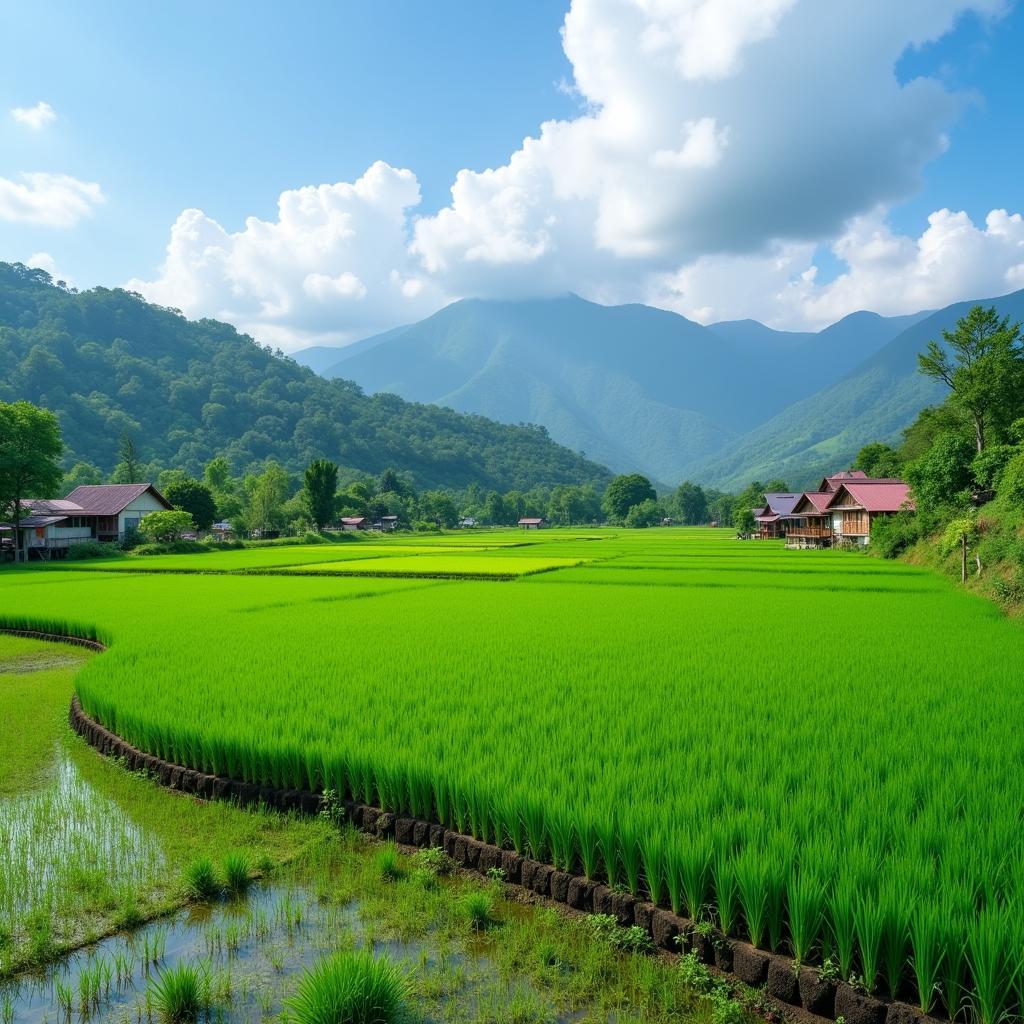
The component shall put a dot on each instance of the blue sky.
(222, 107)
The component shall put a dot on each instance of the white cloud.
(712, 132)
(332, 267)
(953, 259)
(37, 117)
(55, 200)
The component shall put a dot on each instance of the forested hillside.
(110, 364)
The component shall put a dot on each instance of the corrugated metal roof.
(818, 500)
(782, 503)
(876, 495)
(768, 519)
(42, 506)
(110, 499)
(40, 521)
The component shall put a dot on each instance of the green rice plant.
(607, 840)
(351, 988)
(535, 825)
(389, 864)
(237, 873)
(992, 965)
(694, 868)
(562, 840)
(652, 849)
(926, 938)
(478, 909)
(589, 847)
(674, 885)
(632, 861)
(727, 896)
(749, 871)
(870, 923)
(775, 908)
(895, 935)
(201, 879)
(806, 903)
(954, 967)
(181, 993)
(842, 922)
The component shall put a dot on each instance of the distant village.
(839, 513)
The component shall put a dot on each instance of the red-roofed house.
(856, 504)
(831, 483)
(810, 523)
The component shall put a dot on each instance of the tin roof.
(876, 495)
(110, 499)
(817, 500)
(782, 502)
(529, 521)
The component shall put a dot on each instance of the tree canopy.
(626, 491)
(193, 497)
(320, 482)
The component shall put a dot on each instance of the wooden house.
(350, 523)
(810, 523)
(531, 523)
(771, 519)
(857, 504)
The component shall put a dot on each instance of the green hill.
(105, 361)
(875, 401)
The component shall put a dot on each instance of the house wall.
(132, 513)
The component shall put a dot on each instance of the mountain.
(322, 357)
(636, 388)
(874, 401)
(107, 362)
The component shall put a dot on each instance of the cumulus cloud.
(36, 118)
(55, 200)
(953, 259)
(332, 266)
(713, 134)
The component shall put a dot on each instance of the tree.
(647, 513)
(624, 492)
(165, 527)
(321, 484)
(191, 496)
(692, 504)
(30, 451)
(438, 507)
(266, 494)
(879, 460)
(942, 476)
(961, 532)
(217, 475)
(129, 468)
(743, 520)
(982, 365)
(392, 482)
(496, 510)
(79, 474)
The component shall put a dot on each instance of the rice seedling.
(926, 935)
(181, 993)
(805, 900)
(389, 864)
(478, 909)
(201, 881)
(351, 988)
(237, 873)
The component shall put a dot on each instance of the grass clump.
(181, 993)
(479, 909)
(351, 988)
(201, 879)
(389, 864)
(434, 860)
(237, 873)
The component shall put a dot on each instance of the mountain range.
(643, 389)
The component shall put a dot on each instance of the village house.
(857, 504)
(531, 523)
(771, 519)
(810, 524)
(350, 523)
(99, 512)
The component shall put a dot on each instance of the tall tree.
(879, 460)
(266, 495)
(30, 451)
(195, 498)
(982, 365)
(321, 484)
(217, 475)
(691, 503)
(624, 492)
(129, 467)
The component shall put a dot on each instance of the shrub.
(351, 988)
(1011, 485)
(236, 873)
(434, 860)
(91, 549)
(164, 527)
(201, 879)
(181, 993)
(175, 547)
(892, 535)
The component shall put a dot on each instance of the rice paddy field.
(817, 750)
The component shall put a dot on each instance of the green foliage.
(112, 366)
(647, 513)
(165, 527)
(1011, 484)
(479, 909)
(351, 988)
(129, 468)
(743, 520)
(942, 476)
(320, 482)
(30, 451)
(237, 873)
(691, 504)
(892, 535)
(389, 864)
(181, 993)
(624, 492)
(982, 363)
(987, 467)
(196, 499)
(879, 460)
(90, 549)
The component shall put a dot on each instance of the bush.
(988, 466)
(176, 547)
(91, 549)
(164, 527)
(478, 909)
(351, 988)
(892, 535)
(1011, 486)
(181, 993)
